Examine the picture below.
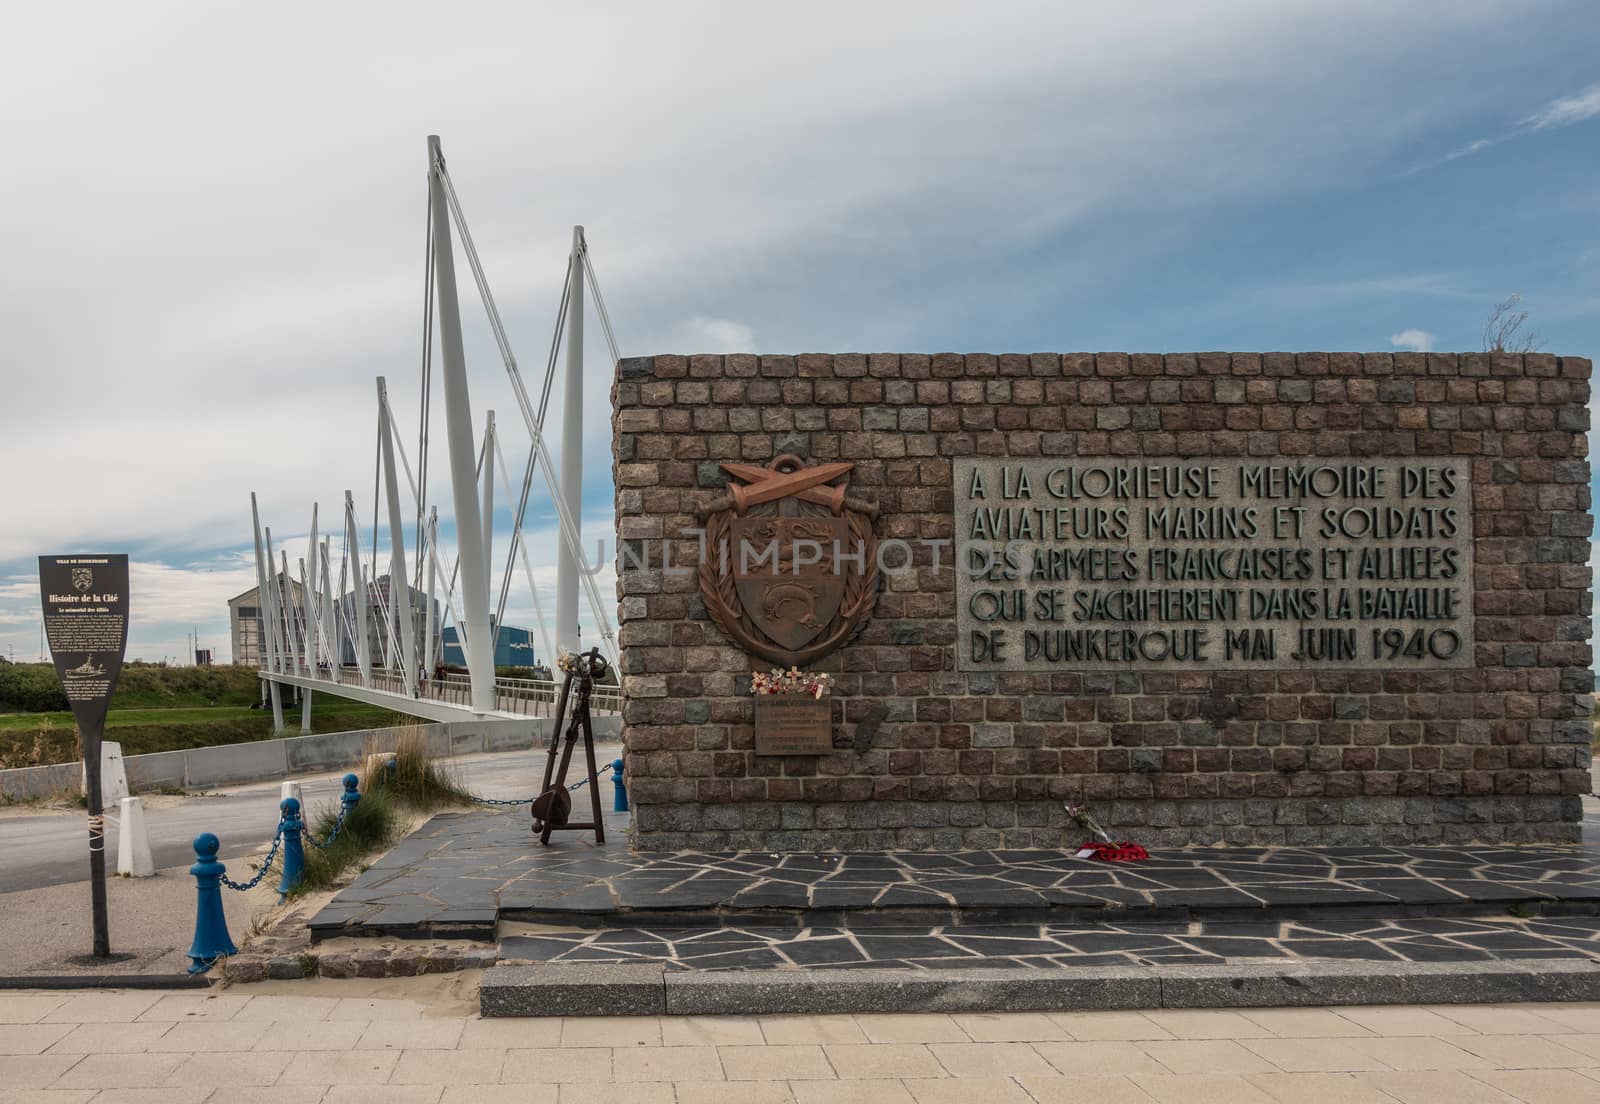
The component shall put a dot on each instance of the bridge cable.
(570, 531)
(519, 544)
(528, 468)
(427, 388)
(510, 361)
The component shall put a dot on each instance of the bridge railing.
(527, 697)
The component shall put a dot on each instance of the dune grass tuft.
(412, 780)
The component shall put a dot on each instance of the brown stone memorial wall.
(1314, 599)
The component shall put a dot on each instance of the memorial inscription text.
(1105, 565)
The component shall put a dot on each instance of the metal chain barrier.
(579, 784)
(266, 865)
(333, 833)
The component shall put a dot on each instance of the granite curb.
(650, 990)
(106, 981)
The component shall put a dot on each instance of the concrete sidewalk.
(417, 1041)
(45, 929)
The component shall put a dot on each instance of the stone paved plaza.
(1042, 946)
(350, 1043)
(465, 873)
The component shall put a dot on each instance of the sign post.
(85, 599)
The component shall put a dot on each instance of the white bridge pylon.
(384, 645)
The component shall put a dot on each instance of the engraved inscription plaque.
(1213, 564)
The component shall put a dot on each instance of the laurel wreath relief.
(723, 604)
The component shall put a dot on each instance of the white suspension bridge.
(384, 644)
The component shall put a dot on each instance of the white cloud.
(1418, 341)
(1470, 148)
(709, 335)
(1563, 112)
(1566, 111)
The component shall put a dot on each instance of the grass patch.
(370, 825)
(159, 708)
(416, 784)
(418, 780)
(36, 739)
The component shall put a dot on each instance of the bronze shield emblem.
(785, 570)
(790, 571)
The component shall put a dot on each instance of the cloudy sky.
(212, 228)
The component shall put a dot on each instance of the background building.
(246, 623)
(379, 628)
(512, 648)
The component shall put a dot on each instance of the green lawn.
(123, 718)
(31, 739)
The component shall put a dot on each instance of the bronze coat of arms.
(791, 566)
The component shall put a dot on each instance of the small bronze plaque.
(792, 724)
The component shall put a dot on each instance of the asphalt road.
(46, 849)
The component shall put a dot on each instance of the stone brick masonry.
(1497, 752)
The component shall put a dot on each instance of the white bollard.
(133, 841)
(288, 790)
(113, 774)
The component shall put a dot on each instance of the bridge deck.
(446, 699)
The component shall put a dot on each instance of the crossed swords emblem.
(785, 477)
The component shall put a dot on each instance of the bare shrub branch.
(1503, 332)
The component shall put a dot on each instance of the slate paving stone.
(756, 958)
(1092, 960)
(466, 916)
(1111, 894)
(1482, 889)
(459, 866)
(1429, 952)
(1264, 930)
(1411, 890)
(991, 896)
(607, 954)
(772, 894)
(1091, 942)
(823, 952)
(1204, 898)
(1000, 947)
(1235, 947)
(589, 899)
(1502, 940)
(900, 895)
(1338, 948)
(535, 948)
(909, 946)
(963, 963)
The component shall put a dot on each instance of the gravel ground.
(48, 931)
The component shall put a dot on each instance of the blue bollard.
(294, 852)
(211, 940)
(351, 796)
(620, 803)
